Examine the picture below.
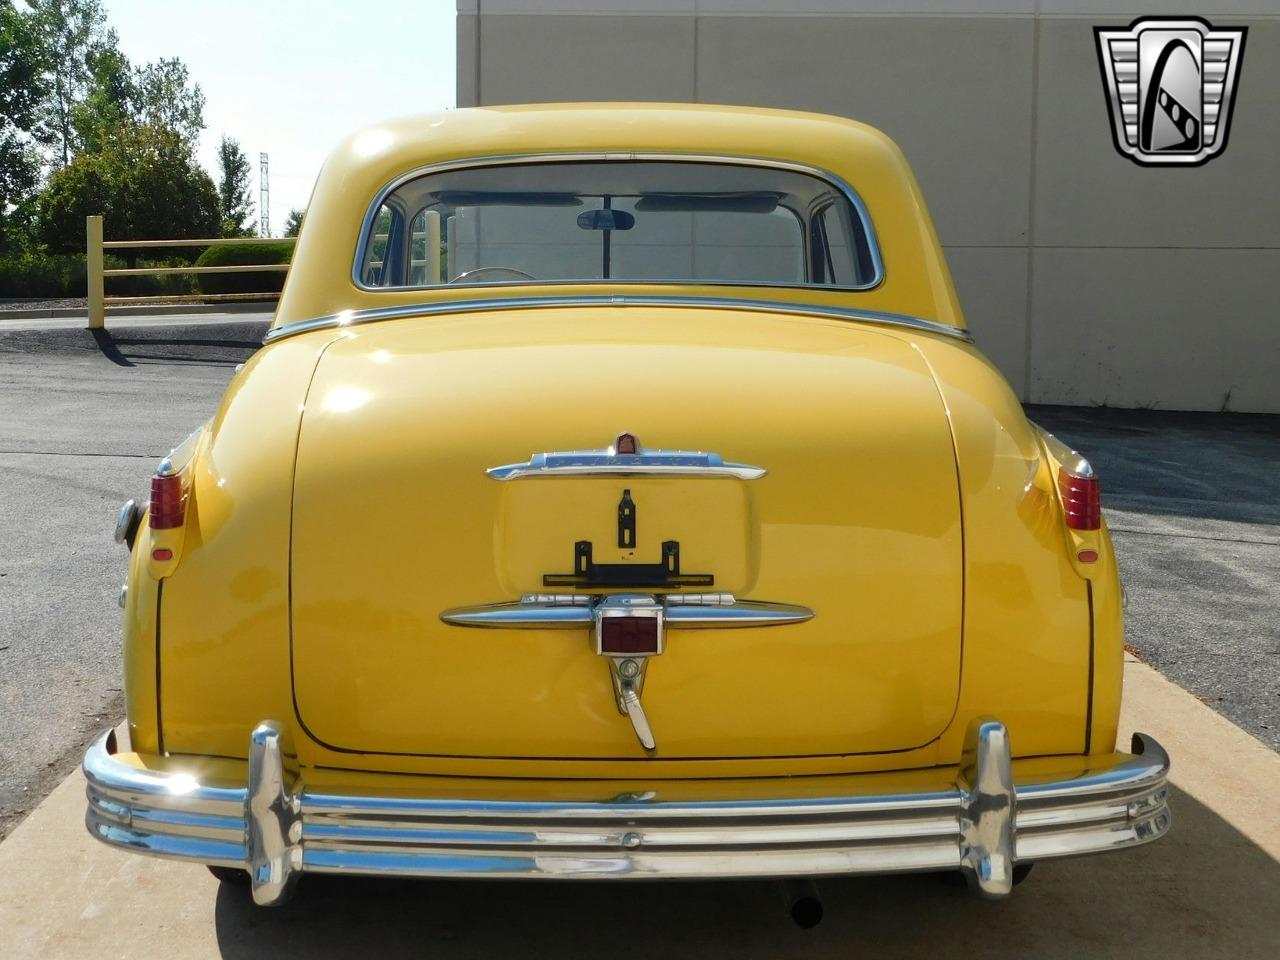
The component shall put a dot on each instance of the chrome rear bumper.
(981, 826)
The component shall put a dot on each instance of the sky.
(292, 77)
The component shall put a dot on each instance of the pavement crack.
(65, 453)
(1193, 536)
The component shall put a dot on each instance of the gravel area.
(56, 304)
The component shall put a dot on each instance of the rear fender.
(223, 621)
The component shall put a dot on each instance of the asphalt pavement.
(84, 419)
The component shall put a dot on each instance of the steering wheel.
(511, 273)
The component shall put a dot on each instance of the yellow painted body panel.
(141, 706)
(908, 502)
(396, 521)
(225, 613)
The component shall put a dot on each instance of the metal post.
(450, 247)
(433, 247)
(93, 264)
(264, 197)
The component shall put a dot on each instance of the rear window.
(619, 221)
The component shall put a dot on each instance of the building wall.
(1086, 278)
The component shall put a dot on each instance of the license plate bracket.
(664, 573)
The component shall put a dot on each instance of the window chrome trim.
(347, 318)
(505, 160)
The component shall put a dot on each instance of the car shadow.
(1203, 890)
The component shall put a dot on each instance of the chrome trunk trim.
(985, 820)
(567, 611)
(349, 318)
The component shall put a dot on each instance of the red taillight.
(1082, 498)
(168, 503)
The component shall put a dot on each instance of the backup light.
(629, 635)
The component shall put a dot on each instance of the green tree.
(234, 193)
(72, 33)
(144, 181)
(89, 85)
(21, 92)
(19, 174)
(164, 96)
(293, 224)
(109, 100)
(22, 81)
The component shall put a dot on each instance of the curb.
(143, 310)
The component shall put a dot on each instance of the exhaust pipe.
(803, 902)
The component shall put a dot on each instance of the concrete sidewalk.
(1209, 889)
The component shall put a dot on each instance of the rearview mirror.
(606, 220)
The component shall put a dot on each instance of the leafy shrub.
(241, 254)
(35, 274)
(166, 284)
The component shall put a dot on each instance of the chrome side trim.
(502, 160)
(551, 611)
(1072, 460)
(348, 318)
(1092, 805)
(182, 454)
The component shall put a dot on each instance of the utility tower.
(264, 198)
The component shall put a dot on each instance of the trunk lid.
(396, 521)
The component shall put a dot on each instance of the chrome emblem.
(1170, 85)
(626, 457)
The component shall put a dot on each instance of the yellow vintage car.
(619, 495)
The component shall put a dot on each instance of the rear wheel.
(232, 876)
